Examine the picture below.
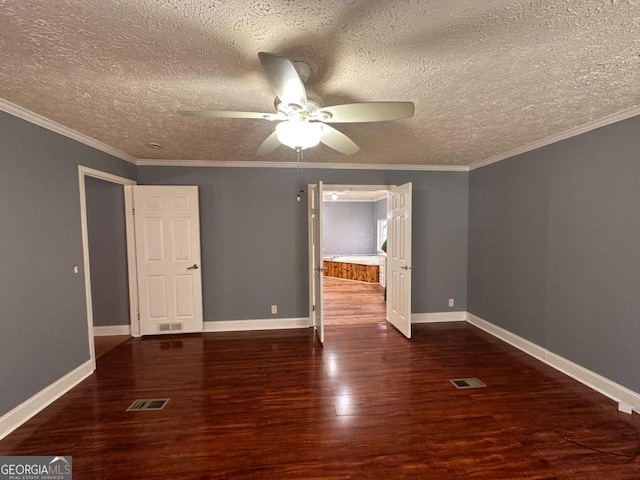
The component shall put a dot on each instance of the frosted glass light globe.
(298, 134)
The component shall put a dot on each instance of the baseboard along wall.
(23, 412)
(257, 324)
(109, 330)
(438, 317)
(628, 400)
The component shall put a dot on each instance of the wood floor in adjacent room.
(370, 404)
(352, 303)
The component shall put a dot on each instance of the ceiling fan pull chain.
(300, 190)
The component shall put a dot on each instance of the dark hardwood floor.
(370, 404)
(353, 303)
(105, 343)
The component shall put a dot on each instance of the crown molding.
(587, 127)
(44, 122)
(343, 166)
(36, 119)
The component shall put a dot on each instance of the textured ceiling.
(486, 76)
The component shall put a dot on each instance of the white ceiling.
(487, 77)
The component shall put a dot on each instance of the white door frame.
(316, 277)
(328, 188)
(84, 172)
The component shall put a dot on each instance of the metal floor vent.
(148, 404)
(462, 383)
(169, 327)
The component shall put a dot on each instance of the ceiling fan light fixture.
(299, 134)
(303, 120)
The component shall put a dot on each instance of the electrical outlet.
(274, 309)
(451, 302)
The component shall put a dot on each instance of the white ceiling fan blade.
(338, 141)
(284, 79)
(229, 114)
(269, 145)
(366, 112)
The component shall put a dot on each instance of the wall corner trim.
(573, 132)
(438, 317)
(597, 382)
(107, 330)
(23, 412)
(256, 324)
(44, 122)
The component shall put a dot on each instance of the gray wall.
(107, 252)
(554, 254)
(43, 320)
(349, 228)
(254, 236)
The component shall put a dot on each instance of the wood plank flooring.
(353, 303)
(370, 404)
(105, 343)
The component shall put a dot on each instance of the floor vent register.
(463, 383)
(148, 404)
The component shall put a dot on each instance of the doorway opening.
(115, 201)
(397, 268)
(354, 256)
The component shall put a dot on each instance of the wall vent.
(462, 383)
(169, 327)
(148, 404)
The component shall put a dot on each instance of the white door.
(399, 258)
(167, 230)
(315, 259)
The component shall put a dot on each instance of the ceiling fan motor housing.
(314, 103)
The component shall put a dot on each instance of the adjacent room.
(358, 239)
(354, 258)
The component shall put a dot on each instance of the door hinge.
(138, 316)
(313, 308)
(133, 211)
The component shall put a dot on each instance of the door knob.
(406, 267)
(193, 267)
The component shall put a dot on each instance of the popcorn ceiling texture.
(486, 76)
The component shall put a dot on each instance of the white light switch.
(76, 269)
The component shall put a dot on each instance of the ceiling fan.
(302, 118)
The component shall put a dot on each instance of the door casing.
(84, 172)
(331, 187)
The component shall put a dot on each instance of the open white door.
(315, 259)
(399, 258)
(167, 230)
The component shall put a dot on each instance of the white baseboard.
(23, 412)
(438, 317)
(257, 324)
(108, 330)
(627, 399)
